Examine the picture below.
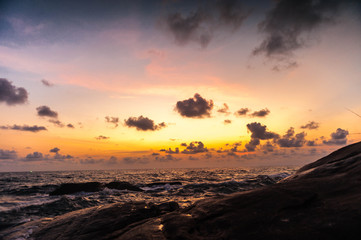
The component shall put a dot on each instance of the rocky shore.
(321, 201)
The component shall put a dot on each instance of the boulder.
(70, 188)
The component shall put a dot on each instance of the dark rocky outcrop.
(70, 188)
(123, 186)
(321, 201)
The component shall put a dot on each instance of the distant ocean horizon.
(25, 196)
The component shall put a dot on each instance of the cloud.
(35, 156)
(227, 121)
(166, 158)
(242, 112)
(267, 147)
(101, 137)
(27, 128)
(47, 83)
(252, 144)
(287, 23)
(12, 95)
(338, 138)
(57, 123)
(200, 24)
(58, 156)
(291, 140)
(170, 151)
(54, 150)
(195, 147)
(45, 111)
(260, 113)
(135, 160)
(260, 131)
(112, 120)
(196, 107)
(231, 13)
(224, 110)
(143, 124)
(187, 28)
(311, 125)
(7, 154)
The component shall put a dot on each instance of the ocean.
(26, 196)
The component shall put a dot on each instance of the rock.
(102, 222)
(69, 188)
(123, 186)
(321, 201)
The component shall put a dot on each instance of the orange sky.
(137, 59)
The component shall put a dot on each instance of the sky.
(177, 84)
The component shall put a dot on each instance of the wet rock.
(321, 201)
(123, 186)
(69, 188)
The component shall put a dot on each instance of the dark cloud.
(35, 156)
(260, 131)
(184, 144)
(56, 122)
(10, 94)
(195, 147)
(311, 143)
(268, 147)
(200, 24)
(252, 144)
(58, 156)
(260, 113)
(143, 124)
(170, 151)
(188, 28)
(101, 137)
(196, 107)
(47, 83)
(112, 120)
(45, 111)
(166, 158)
(292, 140)
(242, 112)
(54, 150)
(135, 160)
(7, 154)
(227, 121)
(69, 125)
(231, 13)
(27, 128)
(224, 110)
(311, 125)
(338, 138)
(287, 23)
(235, 146)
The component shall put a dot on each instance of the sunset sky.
(163, 84)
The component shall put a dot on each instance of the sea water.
(24, 196)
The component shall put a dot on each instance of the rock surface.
(70, 188)
(321, 201)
